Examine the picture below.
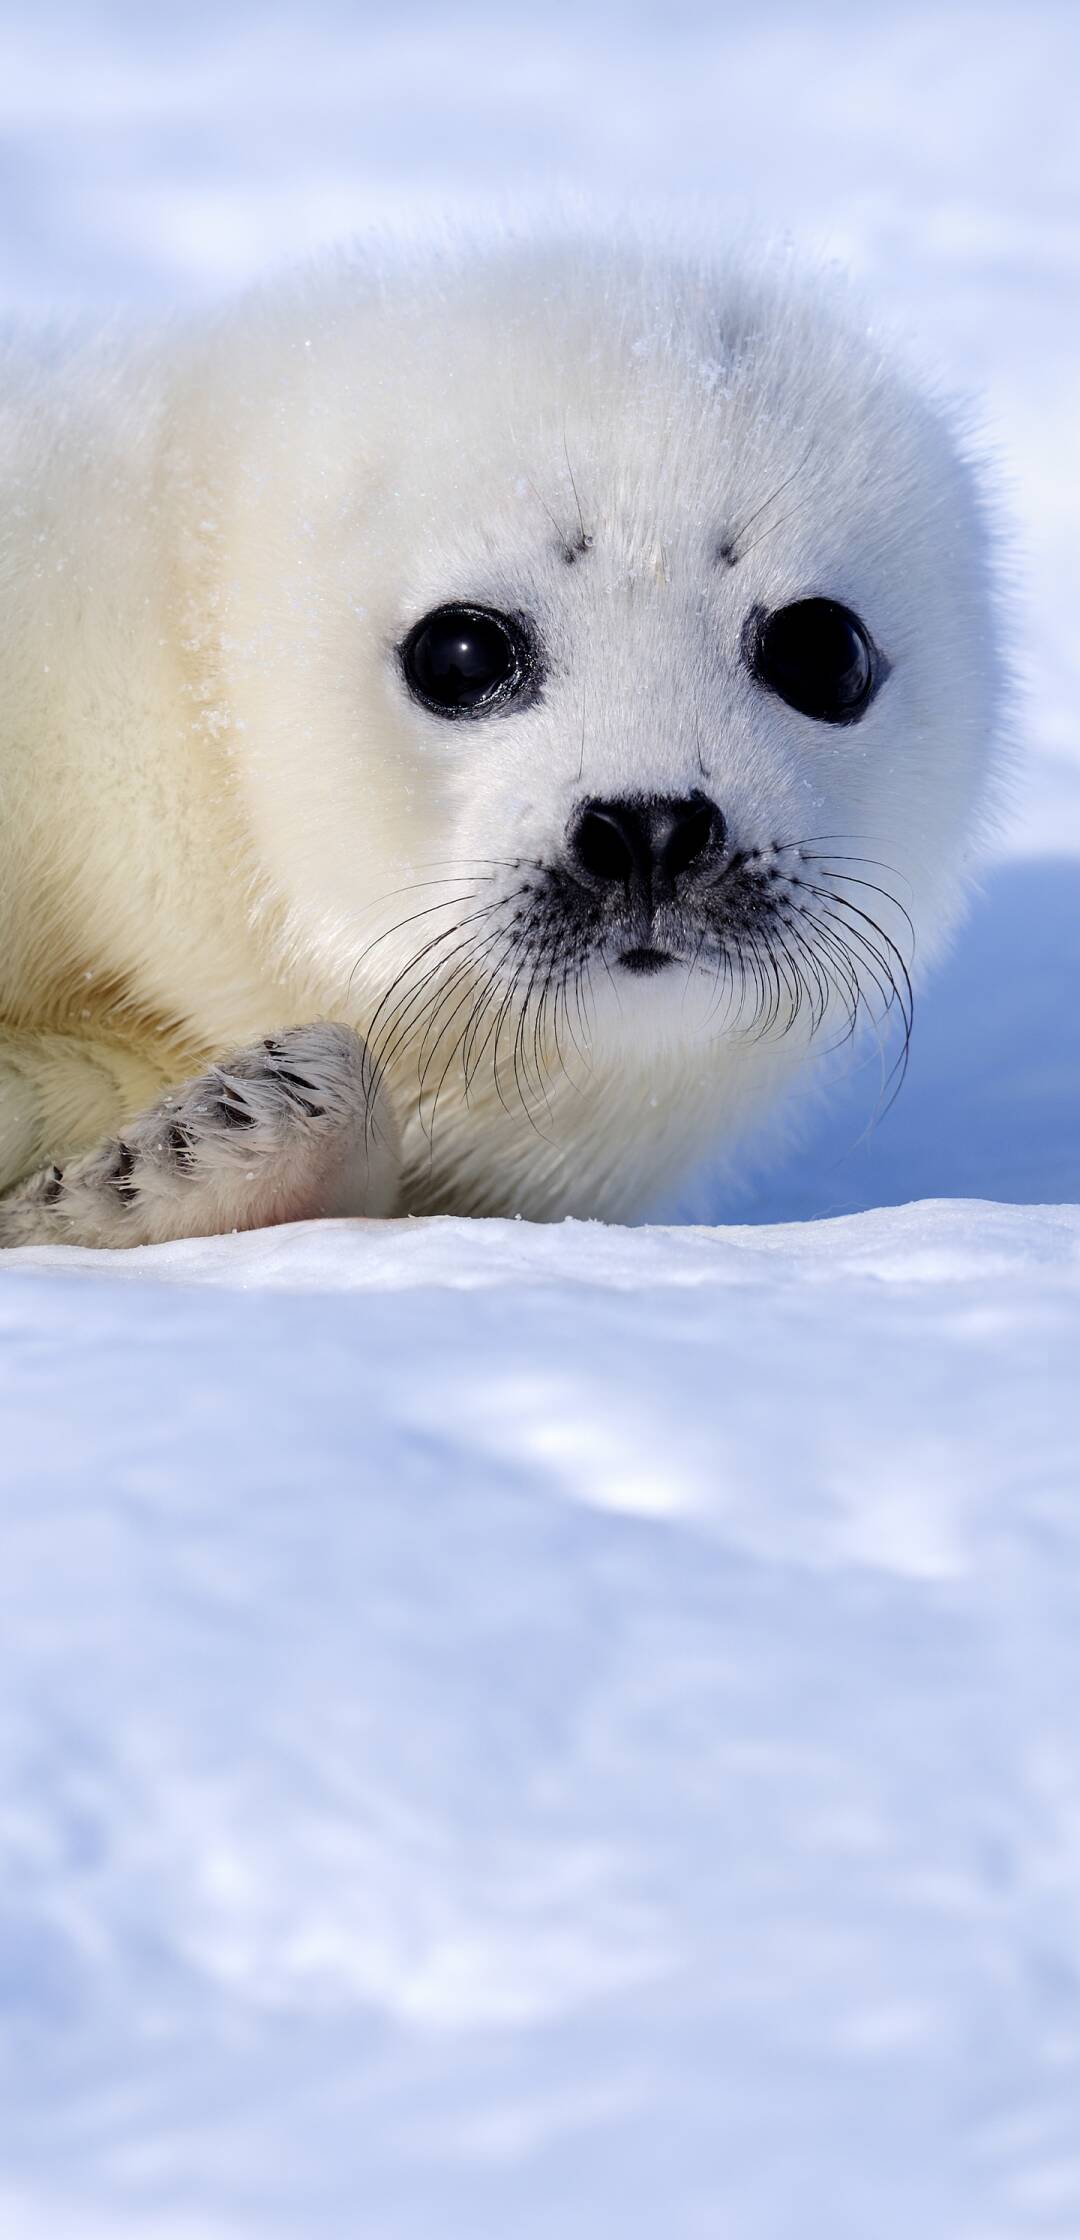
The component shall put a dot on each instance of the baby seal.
(470, 733)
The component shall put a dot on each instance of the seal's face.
(645, 882)
(620, 687)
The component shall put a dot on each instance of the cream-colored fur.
(221, 815)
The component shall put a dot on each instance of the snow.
(521, 1731)
(504, 1731)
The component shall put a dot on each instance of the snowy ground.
(515, 1734)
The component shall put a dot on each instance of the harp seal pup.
(470, 733)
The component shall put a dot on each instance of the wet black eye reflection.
(467, 661)
(817, 655)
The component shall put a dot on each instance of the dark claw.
(181, 1143)
(300, 1093)
(123, 1169)
(233, 1113)
(54, 1187)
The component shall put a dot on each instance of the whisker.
(586, 540)
(452, 1054)
(854, 910)
(472, 1065)
(475, 952)
(400, 924)
(404, 1000)
(771, 530)
(732, 542)
(871, 887)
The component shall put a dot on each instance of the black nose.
(644, 844)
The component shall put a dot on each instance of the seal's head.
(608, 642)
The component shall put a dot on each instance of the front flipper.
(290, 1130)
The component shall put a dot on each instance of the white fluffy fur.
(218, 804)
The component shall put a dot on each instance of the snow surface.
(521, 1731)
(526, 1734)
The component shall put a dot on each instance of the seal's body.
(568, 669)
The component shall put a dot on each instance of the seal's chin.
(644, 962)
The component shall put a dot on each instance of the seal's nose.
(644, 844)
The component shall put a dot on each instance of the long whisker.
(853, 910)
(471, 1055)
(399, 927)
(771, 529)
(396, 1000)
(452, 1054)
(586, 540)
(729, 550)
(474, 953)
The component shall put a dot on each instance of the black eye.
(467, 661)
(817, 655)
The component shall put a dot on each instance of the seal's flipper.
(293, 1129)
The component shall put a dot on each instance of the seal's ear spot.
(817, 655)
(468, 661)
